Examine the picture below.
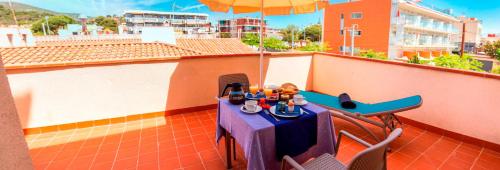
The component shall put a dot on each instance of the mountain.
(26, 14)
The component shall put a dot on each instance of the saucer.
(304, 102)
(243, 109)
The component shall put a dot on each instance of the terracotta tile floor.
(186, 141)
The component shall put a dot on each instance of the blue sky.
(486, 10)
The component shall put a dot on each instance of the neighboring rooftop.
(205, 46)
(215, 46)
(87, 51)
(90, 54)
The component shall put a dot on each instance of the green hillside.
(26, 14)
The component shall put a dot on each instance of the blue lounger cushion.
(364, 108)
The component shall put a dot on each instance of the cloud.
(192, 7)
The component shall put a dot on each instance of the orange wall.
(448, 102)
(374, 24)
(59, 95)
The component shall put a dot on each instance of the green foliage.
(455, 61)
(274, 43)
(287, 33)
(493, 49)
(225, 35)
(416, 60)
(251, 39)
(55, 22)
(270, 43)
(373, 54)
(23, 17)
(107, 23)
(496, 70)
(315, 47)
(313, 33)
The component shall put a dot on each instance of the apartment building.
(238, 27)
(473, 31)
(400, 28)
(187, 23)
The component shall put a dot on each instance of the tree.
(55, 22)
(313, 33)
(287, 33)
(455, 61)
(274, 44)
(270, 43)
(251, 39)
(312, 46)
(493, 49)
(107, 23)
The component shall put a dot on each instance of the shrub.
(315, 47)
(251, 39)
(493, 49)
(373, 54)
(225, 35)
(416, 60)
(454, 61)
(496, 70)
(274, 43)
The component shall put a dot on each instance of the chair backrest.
(374, 157)
(232, 78)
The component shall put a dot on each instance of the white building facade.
(419, 30)
(187, 23)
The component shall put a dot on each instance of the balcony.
(160, 113)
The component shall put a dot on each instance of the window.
(10, 38)
(24, 37)
(357, 15)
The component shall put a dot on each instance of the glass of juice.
(254, 89)
(268, 92)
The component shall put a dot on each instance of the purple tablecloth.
(256, 135)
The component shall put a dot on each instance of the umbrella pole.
(261, 39)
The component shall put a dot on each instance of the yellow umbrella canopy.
(265, 7)
(270, 7)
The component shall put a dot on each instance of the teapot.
(236, 95)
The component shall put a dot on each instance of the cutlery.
(267, 112)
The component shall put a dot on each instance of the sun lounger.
(385, 111)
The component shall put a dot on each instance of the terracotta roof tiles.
(81, 54)
(65, 52)
(216, 46)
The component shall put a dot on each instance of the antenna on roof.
(13, 13)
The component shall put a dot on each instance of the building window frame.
(360, 14)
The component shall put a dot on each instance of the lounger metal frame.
(388, 119)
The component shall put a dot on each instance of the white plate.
(301, 104)
(273, 111)
(250, 112)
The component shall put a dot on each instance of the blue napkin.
(294, 136)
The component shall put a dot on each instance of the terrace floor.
(186, 141)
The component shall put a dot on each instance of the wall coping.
(419, 66)
(143, 60)
(267, 54)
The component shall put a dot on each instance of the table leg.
(227, 137)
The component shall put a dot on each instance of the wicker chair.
(228, 79)
(372, 158)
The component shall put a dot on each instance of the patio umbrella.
(265, 7)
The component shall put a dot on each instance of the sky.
(486, 10)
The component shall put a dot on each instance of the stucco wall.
(13, 148)
(466, 104)
(59, 95)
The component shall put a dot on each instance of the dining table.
(257, 135)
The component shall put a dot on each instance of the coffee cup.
(298, 98)
(251, 105)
